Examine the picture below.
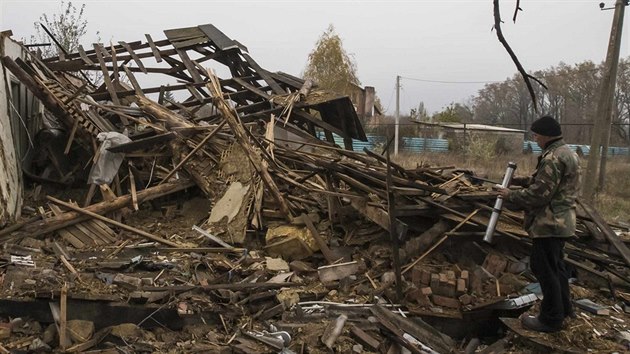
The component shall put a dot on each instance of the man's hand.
(503, 192)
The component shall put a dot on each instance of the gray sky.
(435, 40)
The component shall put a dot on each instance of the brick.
(461, 287)
(425, 278)
(443, 278)
(450, 274)
(426, 291)
(495, 264)
(416, 275)
(446, 285)
(435, 281)
(466, 276)
(445, 301)
(465, 299)
(416, 295)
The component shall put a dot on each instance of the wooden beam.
(608, 232)
(243, 140)
(154, 49)
(41, 227)
(108, 82)
(114, 222)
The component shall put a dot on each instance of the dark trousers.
(549, 268)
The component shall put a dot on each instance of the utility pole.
(603, 118)
(396, 127)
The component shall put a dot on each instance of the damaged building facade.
(174, 209)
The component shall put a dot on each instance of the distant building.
(363, 100)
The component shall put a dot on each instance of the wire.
(495, 81)
(448, 82)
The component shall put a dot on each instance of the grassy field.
(613, 202)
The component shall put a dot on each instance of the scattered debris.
(227, 220)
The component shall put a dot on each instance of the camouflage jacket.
(549, 198)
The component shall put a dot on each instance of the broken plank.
(135, 57)
(364, 338)
(323, 246)
(108, 82)
(154, 49)
(608, 232)
(514, 324)
(132, 187)
(84, 56)
(192, 69)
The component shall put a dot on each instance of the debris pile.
(220, 222)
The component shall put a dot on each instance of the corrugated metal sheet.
(408, 144)
(377, 142)
(531, 146)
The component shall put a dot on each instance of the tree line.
(570, 96)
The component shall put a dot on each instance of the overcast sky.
(421, 40)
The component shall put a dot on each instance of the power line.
(449, 82)
(497, 81)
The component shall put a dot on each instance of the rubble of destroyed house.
(220, 222)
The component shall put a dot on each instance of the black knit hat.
(546, 126)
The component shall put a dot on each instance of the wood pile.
(231, 226)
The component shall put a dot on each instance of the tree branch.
(526, 77)
(516, 10)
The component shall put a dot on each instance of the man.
(548, 198)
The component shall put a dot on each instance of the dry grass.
(613, 202)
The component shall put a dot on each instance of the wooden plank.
(134, 56)
(84, 230)
(72, 232)
(71, 239)
(115, 68)
(364, 338)
(417, 328)
(143, 143)
(136, 86)
(263, 74)
(113, 222)
(84, 56)
(182, 33)
(63, 307)
(323, 246)
(252, 88)
(183, 44)
(71, 137)
(515, 325)
(103, 230)
(95, 233)
(154, 49)
(192, 69)
(193, 91)
(106, 78)
(219, 38)
(132, 188)
(608, 232)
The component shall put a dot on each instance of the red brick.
(445, 301)
(426, 291)
(461, 287)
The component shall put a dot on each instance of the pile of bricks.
(447, 289)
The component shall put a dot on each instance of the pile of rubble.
(224, 224)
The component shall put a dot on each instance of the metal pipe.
(496, 211)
